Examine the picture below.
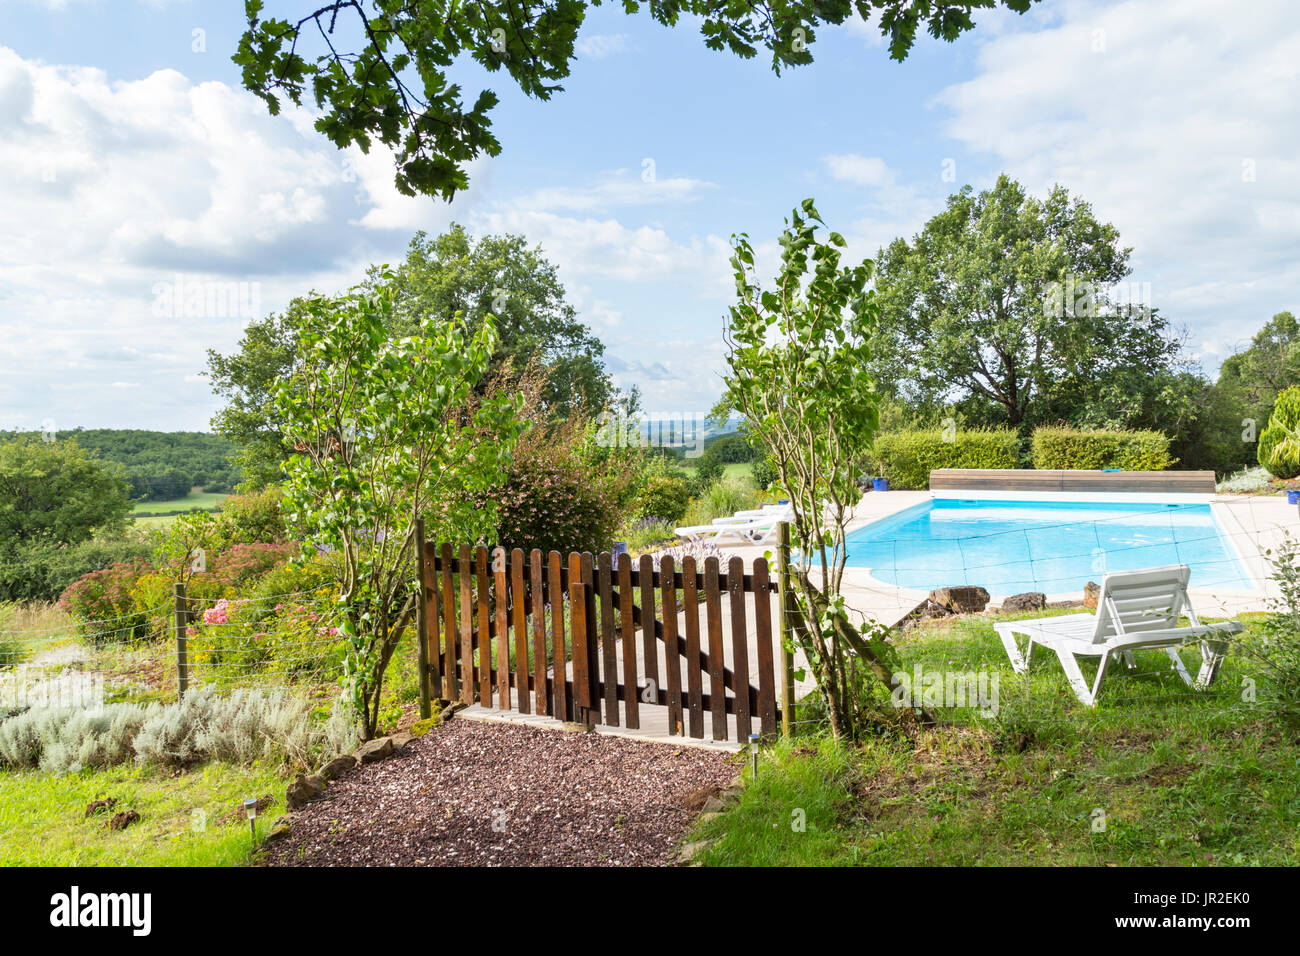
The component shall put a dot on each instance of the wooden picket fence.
(541, 633)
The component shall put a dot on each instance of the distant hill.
(162, 466)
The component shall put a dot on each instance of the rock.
(696, 800)
(730, 795)
(448, 712)
(337, 766)
(1091, 594)
(400, 740)
(303, 790)
(373, 750)
(712, 807)
(278, 832)
(1029, 601)
(101, 806)
(691, 850)
(123, 820)
(422, 727)
(574, 727)
(964, 599)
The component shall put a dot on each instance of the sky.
(134, 170)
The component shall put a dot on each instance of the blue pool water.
(1012, 546)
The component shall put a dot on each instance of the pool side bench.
(1021, 479)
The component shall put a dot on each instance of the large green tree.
(379, 70)
(55, 492)
(454, 274)
(1250, 381)
(999, 307)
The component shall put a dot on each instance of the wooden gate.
(546, 635)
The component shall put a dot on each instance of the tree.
(1279, 443)
(999, 307)
(1251, 380)
(378, 70)
(497, 276)
(386, 431)
(798, 360)
(502, 277)
(56, 492)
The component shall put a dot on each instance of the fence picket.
(519, 609)
(583, 692)
(766, 661)
(541, 692)
(466, 626)
(484, 627)
(608, 650)
(555, 594)
(627, 639)
(694, 679)
(672, 655)
(739, 646)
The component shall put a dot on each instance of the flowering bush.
(234, 641)
(550, 502)
(241, 563)
(102, 604)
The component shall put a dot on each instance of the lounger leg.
(1074, 675)
(1212, 654)
(1179, 666)
(1019, 661)
(1130, 660)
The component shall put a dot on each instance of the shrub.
(11, 646)
(550, 502)
(707, 472)
(1088, 449)
(908, 457)
(253, 518)
(764, 473)
(1279, 443)
(41, 571)
(102, 604)
(664, 498)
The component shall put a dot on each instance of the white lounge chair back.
(1132, 602)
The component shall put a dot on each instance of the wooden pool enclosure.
(597, 639)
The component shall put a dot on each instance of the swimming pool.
(1052, 546)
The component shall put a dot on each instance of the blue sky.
(131, 159)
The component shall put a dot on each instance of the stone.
(574, 727)
(302, 791)
(448, 712)
(1028, 601)
(373, 750)
(691, 850)
(278, 832)
(401, 739)
(338, 765)
(963, 600)
(713, 806)
(123, 820)
(931, 610)
(696, 800)
(1091, 594)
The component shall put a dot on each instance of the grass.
(185, 817)
(1180, 779)
(203, 501)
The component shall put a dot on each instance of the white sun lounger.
(1136, 610)
(755, 531)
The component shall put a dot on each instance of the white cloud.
(1158, 113)
(862, 170)
(598, 46)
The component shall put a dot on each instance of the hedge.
(1088, 449)
(1279, 444)
(909, 456)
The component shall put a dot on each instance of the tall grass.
(725, 498)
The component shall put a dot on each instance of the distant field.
(200, 502)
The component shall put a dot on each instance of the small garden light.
(250, 808)
(753, 749)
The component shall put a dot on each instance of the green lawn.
(1181, 780)
(184, 816)
(205, 501)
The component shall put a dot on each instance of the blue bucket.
(1293, 497)
(880, 484)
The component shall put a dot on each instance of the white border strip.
(1073, 497)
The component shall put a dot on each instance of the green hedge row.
(1085, 449)
(909, 457)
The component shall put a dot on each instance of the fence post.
(180, 623)
(786, 606)
(422, 621)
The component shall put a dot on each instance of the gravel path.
(481, 794)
